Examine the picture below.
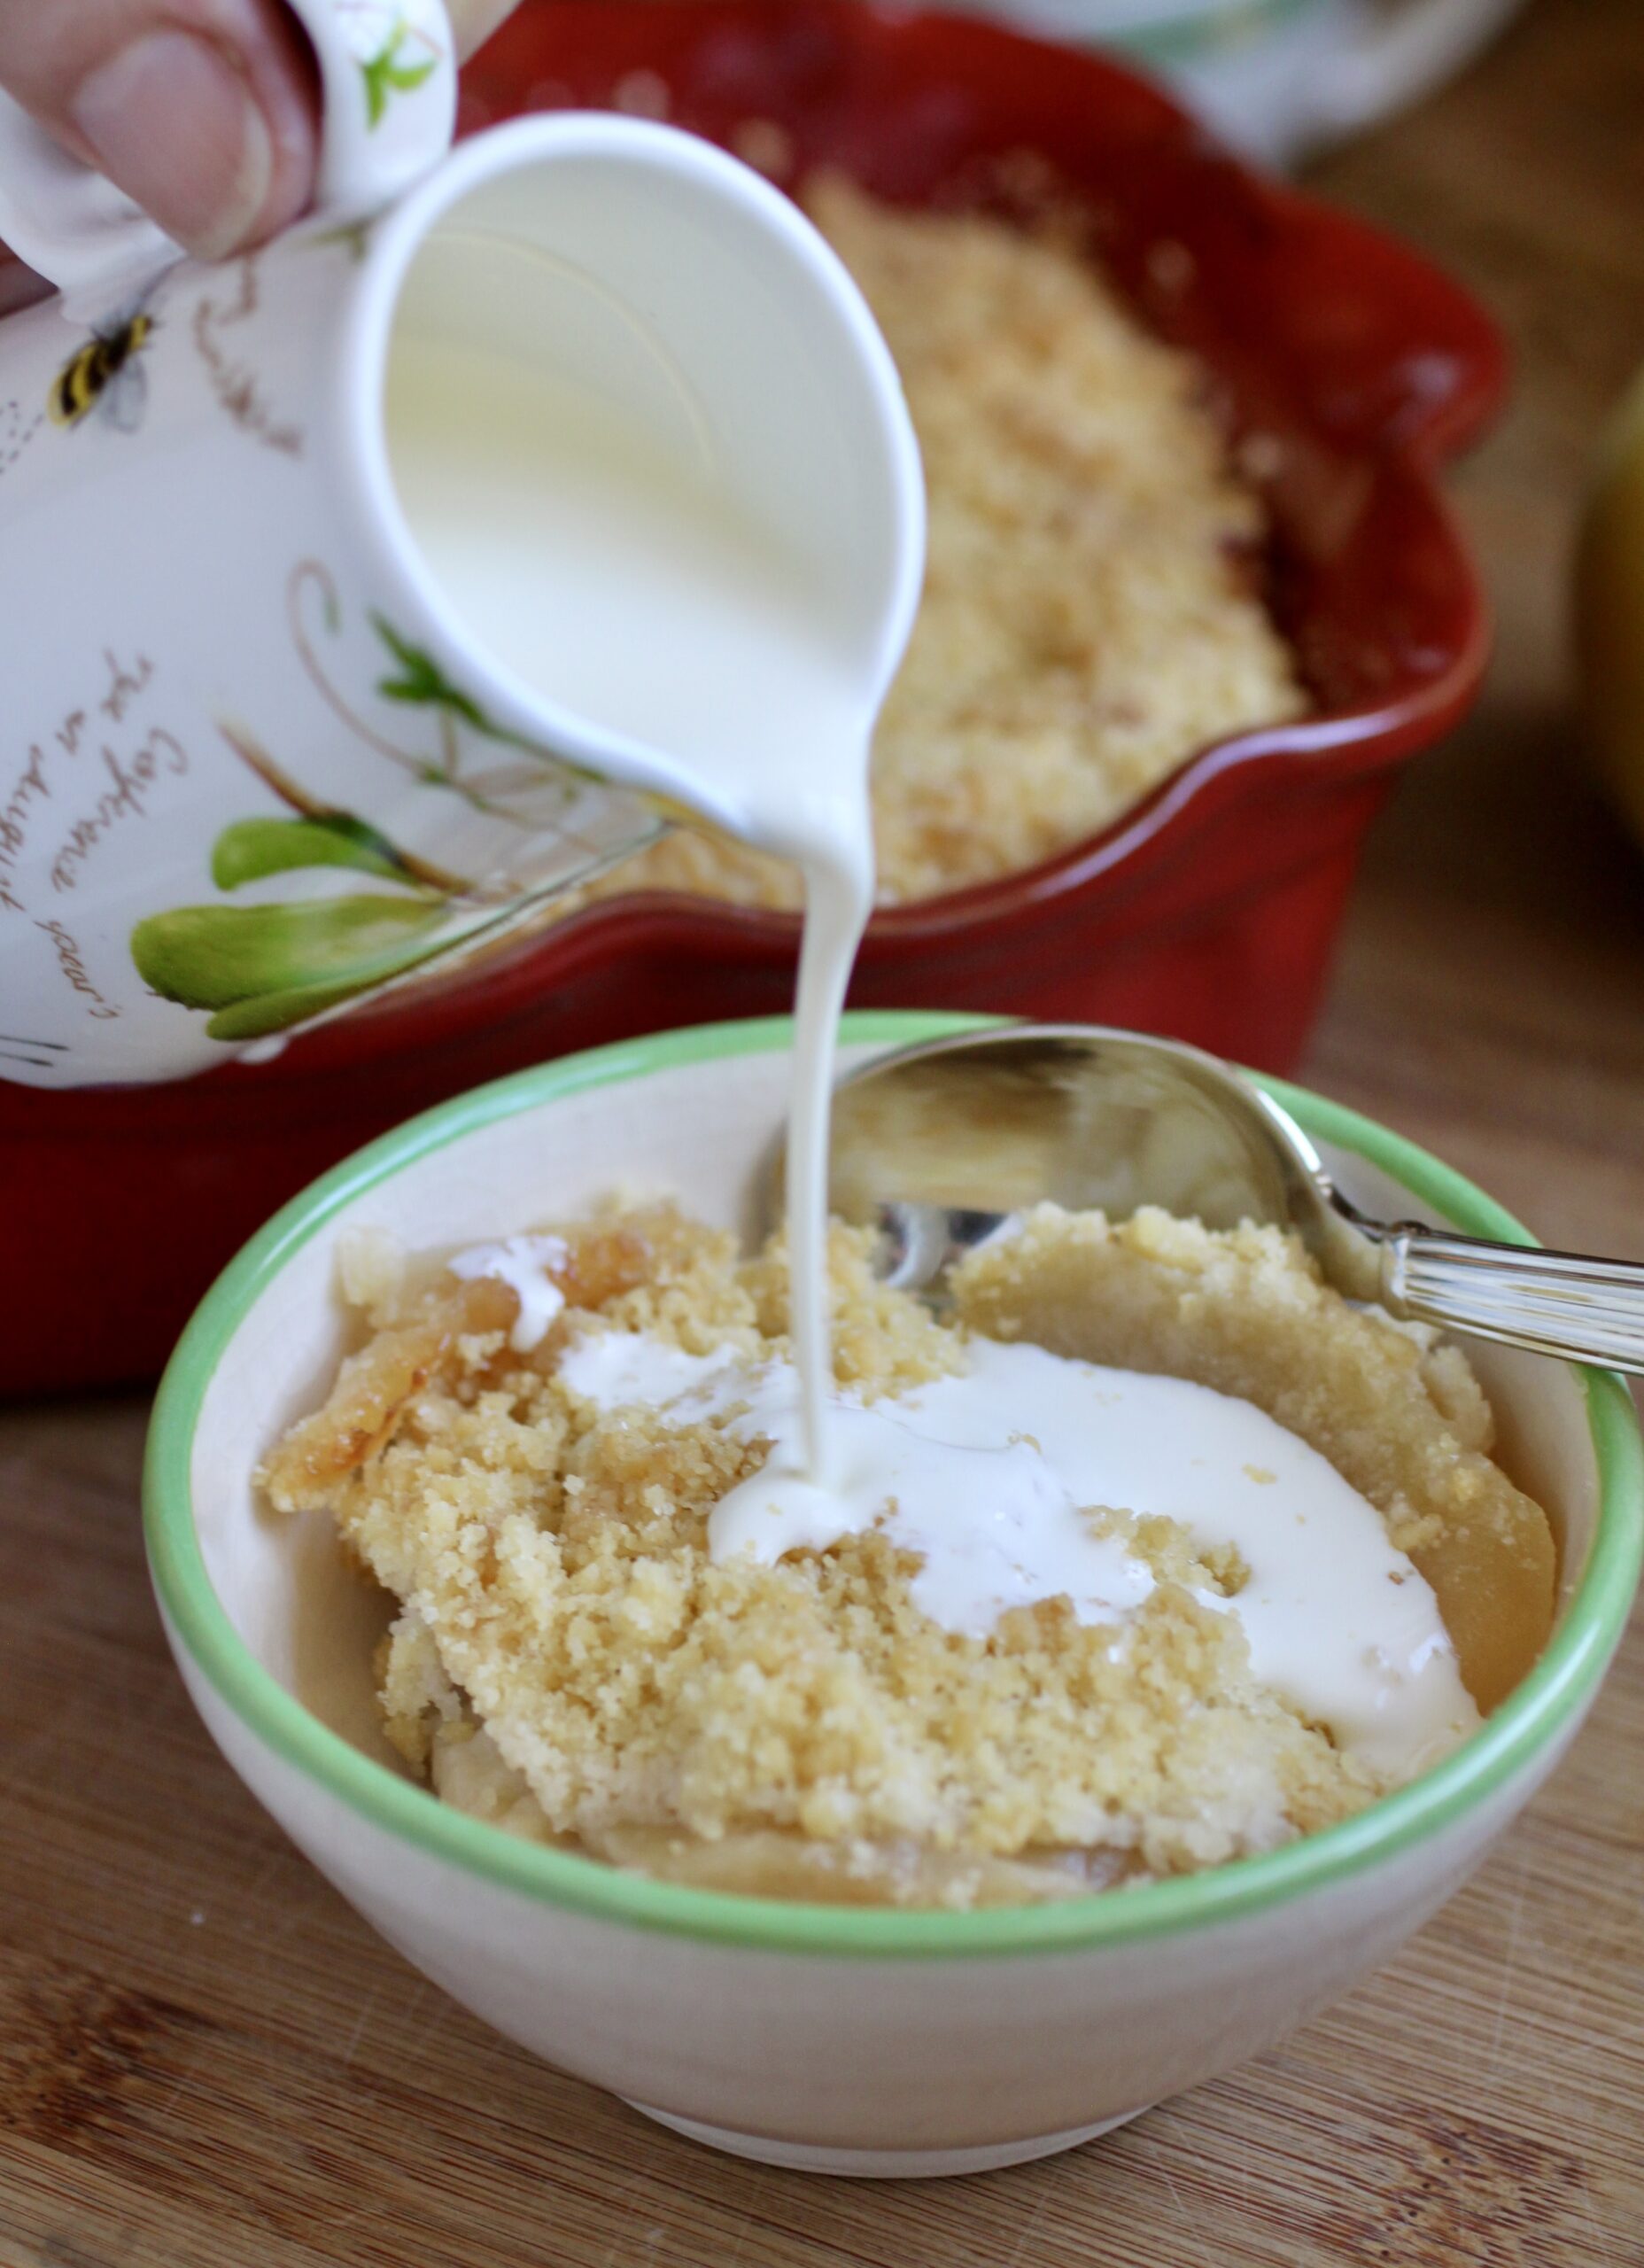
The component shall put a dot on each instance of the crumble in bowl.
(572, 1660)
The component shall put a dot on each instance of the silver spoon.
(939, 1145)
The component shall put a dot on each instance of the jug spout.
(644, 456)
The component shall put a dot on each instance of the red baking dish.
(1353, 368)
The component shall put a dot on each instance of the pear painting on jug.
(261, 967)
(258, 969)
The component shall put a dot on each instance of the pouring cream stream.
(621, 575)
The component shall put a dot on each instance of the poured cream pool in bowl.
(856, 2039)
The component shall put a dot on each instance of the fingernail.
(174, 125)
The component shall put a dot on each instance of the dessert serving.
(1155, 1553)
(906, 2035)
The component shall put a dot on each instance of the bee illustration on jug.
(106, 375)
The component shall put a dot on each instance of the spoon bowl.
(938, 1146)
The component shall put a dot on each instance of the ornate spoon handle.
(1552, 1302)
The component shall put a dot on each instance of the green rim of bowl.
(1559, 1686)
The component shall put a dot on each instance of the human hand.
(205, 111)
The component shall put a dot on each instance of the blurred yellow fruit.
(1609, 609)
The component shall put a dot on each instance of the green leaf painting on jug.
(267, 962)
(396, 69)
(262, 968)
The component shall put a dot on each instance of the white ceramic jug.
(254, 763)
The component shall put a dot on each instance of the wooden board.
(206, 2061)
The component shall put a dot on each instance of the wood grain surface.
(207, 2061)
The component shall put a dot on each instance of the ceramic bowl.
(1351, 369)
(851, 2041)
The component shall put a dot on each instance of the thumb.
(202, 111)
(205, 112)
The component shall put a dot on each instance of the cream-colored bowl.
(850, 2040)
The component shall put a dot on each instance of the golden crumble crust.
(568, 1662)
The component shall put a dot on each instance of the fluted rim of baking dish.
(1531, 1718)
